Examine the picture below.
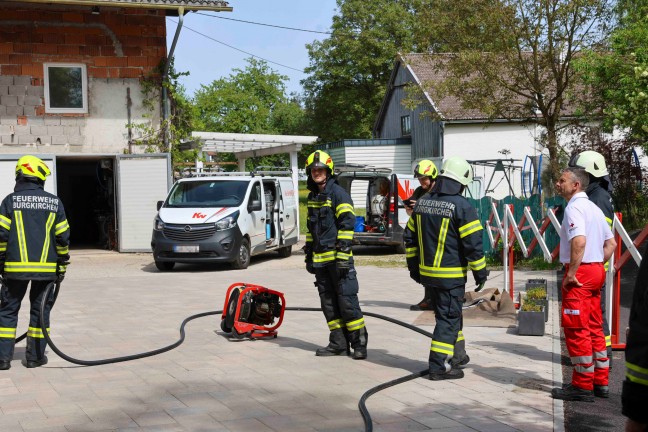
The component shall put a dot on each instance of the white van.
(377, 227)
(226, 217)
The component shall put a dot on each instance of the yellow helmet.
(591, 161)
(426, 168)
(319, 159)
(32, 166)
(457, 169)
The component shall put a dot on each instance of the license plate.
(186, 249)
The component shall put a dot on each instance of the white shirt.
(583, 217)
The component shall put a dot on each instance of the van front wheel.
(242, 260)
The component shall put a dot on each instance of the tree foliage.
(619, 72)
(349, 71)
(513, 59)
(254, 101)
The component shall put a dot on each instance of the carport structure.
(252, 145)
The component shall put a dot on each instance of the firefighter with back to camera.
(598, 192)
(443, 239)
(34, 246)
(329, 257)
(426, 172)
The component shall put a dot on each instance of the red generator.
(250, 311)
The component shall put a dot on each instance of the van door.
(257, 219)
(288, 211)
(404, 184)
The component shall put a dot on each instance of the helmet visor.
(573, 161)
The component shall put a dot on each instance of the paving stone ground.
(113, 305)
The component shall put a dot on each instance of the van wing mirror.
(159, 205)
(255, 205)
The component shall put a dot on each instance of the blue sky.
(207, 60)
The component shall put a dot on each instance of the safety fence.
(509, 227)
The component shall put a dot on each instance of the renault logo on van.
(187, 228)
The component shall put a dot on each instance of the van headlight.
(158, 225)
(227, 222)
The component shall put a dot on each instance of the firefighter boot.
(451, 374)
(359, 339)
(601, 391)
(426, 303)
(5, 364)
(338, 344)
(572, 393)
(32, 351)
(35, 363)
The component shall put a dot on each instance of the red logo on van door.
(198, 215)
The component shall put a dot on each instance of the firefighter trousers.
(448, 342)
(12, 293)
(582, 322)
(339, 300)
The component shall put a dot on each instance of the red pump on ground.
(250, 311)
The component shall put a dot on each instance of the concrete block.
(6, 130)
(9, 100)
(29, 110)
(20, 99)
(17, 90)
(6, 79)
(69, 121)
(52, 121)
(26, 139)
(4, 90)
(15, 110)
(59, 139)
(22, 80)
(36, 91)
(36, 121)
(7, 139)
(33, 100)
(38, 130)
(76, 139)
(76, 148)
(56, 130)
(7, 120)
(72, 130)
(3, 110)
(45, 140)
(22, 130)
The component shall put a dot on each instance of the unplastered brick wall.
(118, 46)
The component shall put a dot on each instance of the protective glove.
(416, 276)
(309, 265)
(480, 279)
(342, 267)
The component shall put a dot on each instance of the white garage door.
(142, 181)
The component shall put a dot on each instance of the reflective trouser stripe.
(601, 360)
(441, 347)
(581, 360)
(636, 374)
(460, 337)
(36, 332)
(584, 369)
(335, 324)
(8, 332)
(324, 257)
(355, 325)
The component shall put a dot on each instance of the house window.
(406, 126)
(66, 88)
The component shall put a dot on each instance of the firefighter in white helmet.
(34, 242)
(443, 239)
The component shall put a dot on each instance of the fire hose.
(55, 285)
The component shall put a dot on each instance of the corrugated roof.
(212, 5)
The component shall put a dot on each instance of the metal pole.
(166, 108)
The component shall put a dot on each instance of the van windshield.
(208, 193)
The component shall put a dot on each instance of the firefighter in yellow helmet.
(426, 173)
(329, 257)
(34, 242)
(443, 239)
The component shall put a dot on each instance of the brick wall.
(117, 46)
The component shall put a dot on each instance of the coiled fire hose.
(361, 404)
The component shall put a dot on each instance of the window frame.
(84, 89)
(406, 119)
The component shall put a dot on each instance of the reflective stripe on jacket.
(330, 224)
(443, 240)
(34, 233)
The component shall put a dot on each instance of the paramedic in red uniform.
(586, 242)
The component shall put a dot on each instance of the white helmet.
(457, 169)
(591, 161)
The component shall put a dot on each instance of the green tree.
(349, 71)
(618, 73)
(252, 100)
(513, 59)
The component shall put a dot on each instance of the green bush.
(531, 306)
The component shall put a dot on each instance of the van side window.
(255, 194)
